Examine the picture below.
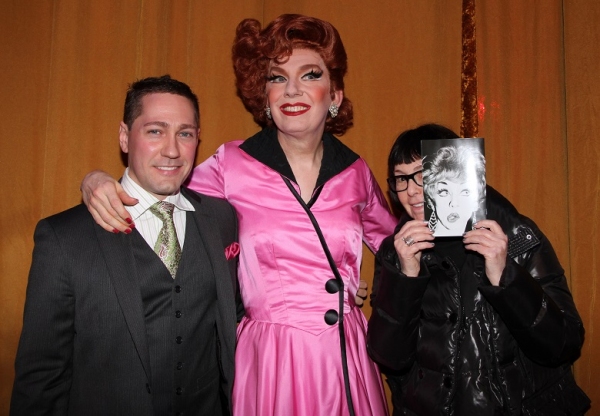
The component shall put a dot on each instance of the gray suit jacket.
(83, 349)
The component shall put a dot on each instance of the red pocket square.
(232, 250)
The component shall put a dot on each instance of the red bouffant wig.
(254, 49)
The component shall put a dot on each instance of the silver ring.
(408, 240)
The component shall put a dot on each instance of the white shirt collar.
(146, 200)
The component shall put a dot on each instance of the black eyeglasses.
(399, 183)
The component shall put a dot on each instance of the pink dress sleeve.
(208, 177)
(377, 220)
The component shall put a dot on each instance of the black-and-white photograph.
(454, 184)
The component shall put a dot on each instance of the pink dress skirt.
(288, 360)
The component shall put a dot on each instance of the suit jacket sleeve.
(43, 368)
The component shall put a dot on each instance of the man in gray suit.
(139, 324)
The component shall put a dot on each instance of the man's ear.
(124, 137)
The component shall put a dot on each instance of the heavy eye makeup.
(442, 190)
(274, 78)
(313, 74)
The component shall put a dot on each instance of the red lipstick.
(294, 109)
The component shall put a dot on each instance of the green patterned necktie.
(167, 245)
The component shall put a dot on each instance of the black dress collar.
(265, 148)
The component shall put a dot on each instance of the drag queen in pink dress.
(301, 344)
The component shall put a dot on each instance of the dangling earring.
(268, 112)
(432, 221)
(334, 110)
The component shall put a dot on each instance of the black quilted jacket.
(450, 343)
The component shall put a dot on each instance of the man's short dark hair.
(155, 85)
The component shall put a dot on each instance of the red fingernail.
(115, 231)
(128, 220)
(127, 231)
(132, 226)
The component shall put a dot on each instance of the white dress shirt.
(146, 222)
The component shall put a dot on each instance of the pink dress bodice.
(288, 357)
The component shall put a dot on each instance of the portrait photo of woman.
(454, 183)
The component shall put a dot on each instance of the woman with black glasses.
(482, 324)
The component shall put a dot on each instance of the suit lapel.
(118, 255)
(210, 235)
(224, 280)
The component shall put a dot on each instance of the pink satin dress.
(288, 359)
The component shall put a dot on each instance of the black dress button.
(179, 365)
(331, 317)
(332, 286)
(179, 340)
(446, 264)
(148, 388)
(178, 314)
(453, 317)
(448, 382)
(179, 390)
(177, 289)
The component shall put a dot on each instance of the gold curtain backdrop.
(65, 67)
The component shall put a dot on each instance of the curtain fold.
(469, 124)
